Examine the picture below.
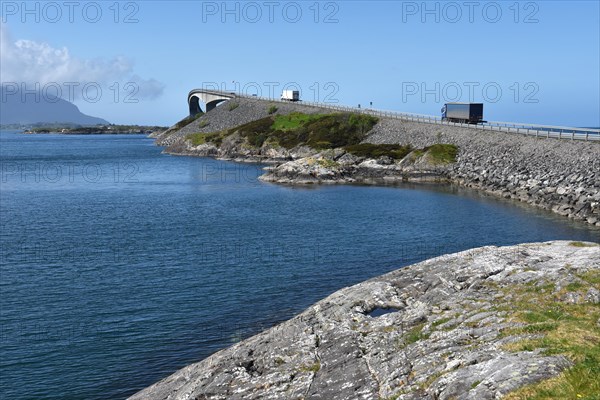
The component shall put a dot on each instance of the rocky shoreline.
(479, 324)
(557, 175)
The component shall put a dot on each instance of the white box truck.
(290, 95)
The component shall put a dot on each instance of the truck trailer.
(470, 113)
(290, 95)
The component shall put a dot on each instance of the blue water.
(121, 264)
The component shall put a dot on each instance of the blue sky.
(535, 62)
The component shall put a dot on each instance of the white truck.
(290, 95)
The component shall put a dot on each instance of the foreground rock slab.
(433, 330)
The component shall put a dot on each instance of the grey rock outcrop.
(432, 330)
(341, 167)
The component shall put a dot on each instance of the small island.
(109, 129)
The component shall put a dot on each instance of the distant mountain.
(41, 109)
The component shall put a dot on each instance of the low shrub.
(395, 151)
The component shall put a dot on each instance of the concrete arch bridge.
(210, 99)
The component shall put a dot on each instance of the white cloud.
(30, 62)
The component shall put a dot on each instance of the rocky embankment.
(480, 324)
(558, 175)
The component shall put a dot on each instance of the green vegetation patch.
(561, 328)
(395, 151)
(327, 163)
(197, 139)
(591, 277)
(337, 130)
(442, 153)
(272, 109)
(314, 368)
(440, 322)
(416, 334)
(581, 244)
(256, 132)
(293, 121)
(319, 131)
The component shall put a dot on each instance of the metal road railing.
(539, 131)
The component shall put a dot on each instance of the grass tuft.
(314, 368)
(582, 244)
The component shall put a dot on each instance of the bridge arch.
(210, 98)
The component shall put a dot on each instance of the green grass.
(591, 277)
(419, 153)
(233, 106)
(197, 139)
(319, 131)
(369, 150)
(534, 287)
(442, 153)
(581, 244)
(272, 110)
(293, 121)
(574, 286)
(440, 322)
(337, 130)
(582, 381)
(559, 328)
(534, 317)
(415, 334)
(256, 132)
(314, 368)
(326, 163)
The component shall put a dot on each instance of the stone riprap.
(558, 175)
(438, 329)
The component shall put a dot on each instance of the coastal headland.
(311, 145)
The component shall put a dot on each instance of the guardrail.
(539, 131)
